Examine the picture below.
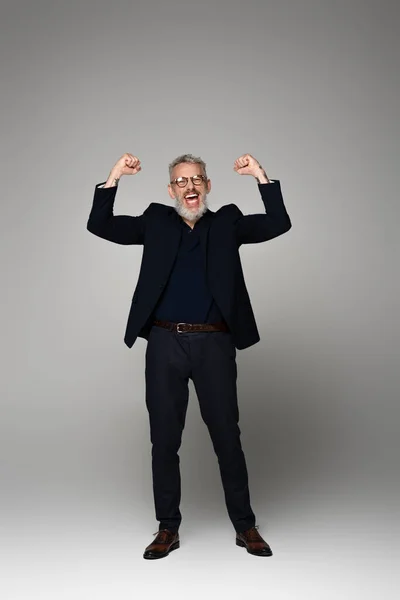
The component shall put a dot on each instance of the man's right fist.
(127, 165)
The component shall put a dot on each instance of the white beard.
(188, 213)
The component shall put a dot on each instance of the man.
(192, 306)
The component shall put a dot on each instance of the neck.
(190, 223)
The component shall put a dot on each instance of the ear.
(208, 185)
(171, 192)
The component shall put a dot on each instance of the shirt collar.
(200, 223)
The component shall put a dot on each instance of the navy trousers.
(209, 359)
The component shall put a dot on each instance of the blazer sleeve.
(252, 229)
(121, 229)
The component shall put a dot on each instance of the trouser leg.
(167, 393)
(214, 377)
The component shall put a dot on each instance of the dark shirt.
(187, 298)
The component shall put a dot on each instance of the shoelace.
(252, 533)
(165, 533)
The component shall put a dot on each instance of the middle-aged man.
(192, 306)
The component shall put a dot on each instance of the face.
(191, 200)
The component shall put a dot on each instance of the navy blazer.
(158, 230)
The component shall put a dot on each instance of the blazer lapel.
(205, 223)
(171, 240)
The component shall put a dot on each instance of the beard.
(188, 213)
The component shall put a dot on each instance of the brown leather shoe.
(163, 544)
(253, 542)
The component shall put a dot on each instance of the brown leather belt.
(184, 327)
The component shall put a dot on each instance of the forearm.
(121, 229)
(113, 178)
(261, 176)
(254, 228)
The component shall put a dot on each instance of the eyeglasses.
(196, 180)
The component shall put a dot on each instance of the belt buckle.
(177, 327)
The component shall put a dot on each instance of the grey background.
(311, 89)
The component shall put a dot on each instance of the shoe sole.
(174, 546)
(243, 545)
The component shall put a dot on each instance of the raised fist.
(246, 165)
(127, 165)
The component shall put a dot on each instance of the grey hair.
(187, 158)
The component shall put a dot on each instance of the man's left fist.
(247, 165)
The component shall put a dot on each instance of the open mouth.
(192, 199)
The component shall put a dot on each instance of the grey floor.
(326, 546)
